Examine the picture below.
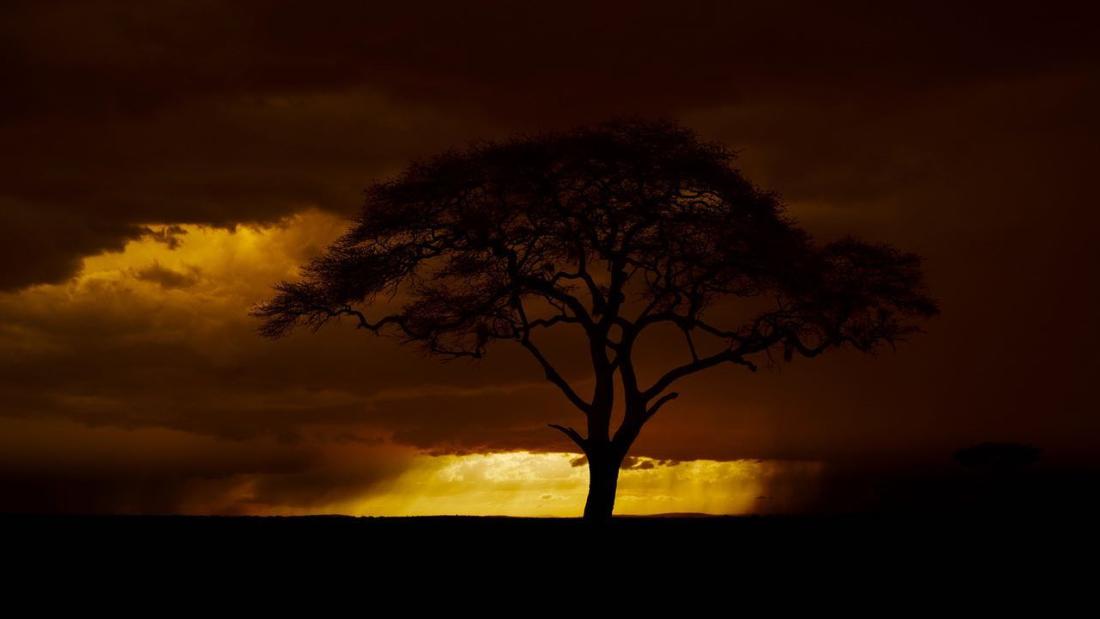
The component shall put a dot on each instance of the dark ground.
(953, 537)
(969, 561)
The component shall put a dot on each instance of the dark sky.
(133, 380)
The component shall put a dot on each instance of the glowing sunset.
(587, 263)
(195, 281)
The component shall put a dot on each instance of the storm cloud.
(163, 165)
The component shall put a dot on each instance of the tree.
(997, 457)
(613, 230)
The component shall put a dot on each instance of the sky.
(162, 165)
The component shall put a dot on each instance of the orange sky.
(162, 167)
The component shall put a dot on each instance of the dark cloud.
(49, 465)
(129, 57)
(167, 278)
(125, 113)
(965, 133)
(169, 235)
(41, 243)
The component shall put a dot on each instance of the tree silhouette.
(614, 230)
(997, 457)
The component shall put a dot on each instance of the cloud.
(547, 484)
(167, 278)
(169, 235)
(60, 466)
(145, 338)
(76, 186)
(115, 347)
(162, 166)
(198, 112)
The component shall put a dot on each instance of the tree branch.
(375, 327)
(652, 410)
(548, 289)
(598, 301)
(550, 371)
(553, 376)
(572, 434)
(731, 356)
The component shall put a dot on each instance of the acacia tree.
(613, 230)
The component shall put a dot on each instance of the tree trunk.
(603, 478)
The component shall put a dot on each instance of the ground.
(960, 537)
(325, 563)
